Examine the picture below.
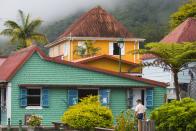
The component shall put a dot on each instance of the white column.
(8, 100)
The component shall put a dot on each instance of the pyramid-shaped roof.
(185, 32)
(97, 23)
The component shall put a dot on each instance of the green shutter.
(23, 97)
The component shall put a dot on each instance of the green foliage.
(172, 57)
(34, 121)
(125, 121)
(25, 33)
(87, 114)
(176, 116)
(86, 50)
(184, 12)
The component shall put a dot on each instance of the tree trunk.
(176, 85)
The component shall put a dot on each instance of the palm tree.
(24, 33)
(86, 50)
(173, 57)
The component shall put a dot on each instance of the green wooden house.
(32, 83)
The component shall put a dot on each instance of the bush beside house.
(176, 116)
(87, 114)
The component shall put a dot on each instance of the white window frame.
(82, 44)
(35, 107)
(65, 49)
(134, 100)
(111, 49)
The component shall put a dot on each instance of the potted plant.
(34, 121)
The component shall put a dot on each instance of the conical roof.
(185, 32)
(97, 23)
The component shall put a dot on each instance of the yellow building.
(104, 32)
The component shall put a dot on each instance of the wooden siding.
(38, 71)
(104, 49)
(118, 101)
(57, 106)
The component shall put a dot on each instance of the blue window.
(104, 96)
(149, 98)
(130, 98)
(34, 97)
(72, 97)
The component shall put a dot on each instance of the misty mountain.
(144, 18)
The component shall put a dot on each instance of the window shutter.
(149, 98)
(45, 97)
(104, 96)
(65, 49)
(72, 97)
(111, 48)
(23, 97)
(130, 98)
(123, 50)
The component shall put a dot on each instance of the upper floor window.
(114, 49)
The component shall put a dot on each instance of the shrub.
(176, 116)
(125, 121)
(34, 120)
(87, 114)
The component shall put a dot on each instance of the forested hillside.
(144, 18)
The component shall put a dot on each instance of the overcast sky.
(47, 10)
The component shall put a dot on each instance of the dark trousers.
(140, 116)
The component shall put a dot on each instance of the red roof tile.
(185, 32)
(2, 59)
(97, 23)
(148, 56)
(15, 61)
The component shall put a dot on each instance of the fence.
(146, 125)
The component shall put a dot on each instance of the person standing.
(140, 113)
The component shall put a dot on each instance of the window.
(74, 95)
(33, 97)
(133, 95)
(114, 49)
(3, 97)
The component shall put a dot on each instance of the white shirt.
(140, 108)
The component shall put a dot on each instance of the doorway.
(86, 92)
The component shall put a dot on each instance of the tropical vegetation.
(176, 116)
(87, 114)
(34, 120)
(185, 11)
(24, 33)
(173, 57)
(125, 121)
(87, 49)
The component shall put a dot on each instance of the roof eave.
(91, 38)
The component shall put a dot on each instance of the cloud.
(48, 10)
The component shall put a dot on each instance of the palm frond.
(33, 25)
(11, 24)
(22, 17)
(27, 21)
(40, 38)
